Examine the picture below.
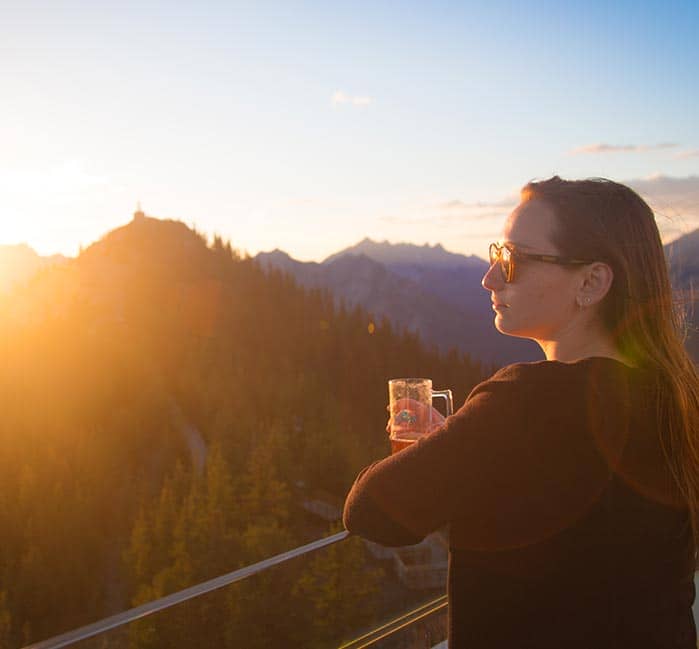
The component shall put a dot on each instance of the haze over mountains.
(106, 359)
(438, 293)
(289, 388)
(107, 354)
(425, 289)
(683, 258)
(20, 262)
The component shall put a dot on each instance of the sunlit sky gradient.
(307, 126)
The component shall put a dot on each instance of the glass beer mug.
(410, 408)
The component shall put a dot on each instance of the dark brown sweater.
(565, 528)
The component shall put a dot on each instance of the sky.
(307, 126)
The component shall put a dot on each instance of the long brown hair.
(606, 221)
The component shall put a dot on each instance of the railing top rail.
(398, 624)
(138, 612)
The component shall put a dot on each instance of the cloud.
(621, 148)
(675, 201)
(460, 206)
(454, 212)
(683, 193)
(690, 153)
(341, 97)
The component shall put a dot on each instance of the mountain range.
(20, 262)
(424, 289)
(106, 360)
(683, 260)
(437, 293)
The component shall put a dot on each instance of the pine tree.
(337, 590)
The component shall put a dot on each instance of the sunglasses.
(506, 255)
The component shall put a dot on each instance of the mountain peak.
(277, 253)
(275, 258)
(401, 254)
(163, 241)
(19, 262)
(17, 250)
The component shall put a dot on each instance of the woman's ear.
(596, 281)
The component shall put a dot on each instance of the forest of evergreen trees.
(101, 505)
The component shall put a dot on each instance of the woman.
(570, 485)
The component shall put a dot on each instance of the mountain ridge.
(457, 312)
(439, 296)
(406, 253)
(20, 262)
(424, 288)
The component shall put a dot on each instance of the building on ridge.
(138, 215)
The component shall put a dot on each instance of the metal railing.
(96, 628)
(398, 624)
(144, 610)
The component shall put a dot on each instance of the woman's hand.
(409, 415)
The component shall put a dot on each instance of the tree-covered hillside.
(108, 361)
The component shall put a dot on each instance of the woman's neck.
(570, 351)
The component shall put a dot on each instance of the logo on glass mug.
(411, 411)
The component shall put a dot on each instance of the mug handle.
(447, 396)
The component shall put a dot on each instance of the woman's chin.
(506, 328)
(500, 323)
(501, 329)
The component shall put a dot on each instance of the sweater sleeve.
(497, 459)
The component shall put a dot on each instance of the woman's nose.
(492, 278)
